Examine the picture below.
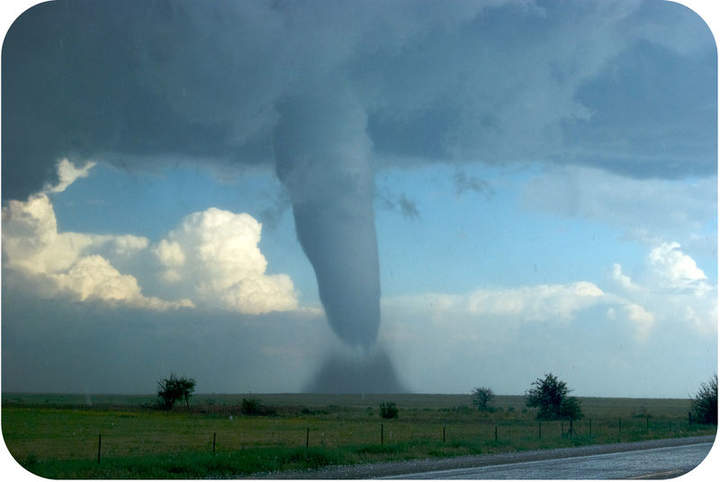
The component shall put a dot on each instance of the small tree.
(172, 389)
(186, 388)
(570, 408)
(388, 410)
(481, 397)
(550, 396)
(705, 406)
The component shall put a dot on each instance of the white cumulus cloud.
(67, 174)
(546, 302)
(70, 263)
(622, 279)
(676, 270)
(536, 303)
(31, 241)
(670, 292)
(214, 256)
(94, 278)
(126, 244)
(642, 319)
(670, 289)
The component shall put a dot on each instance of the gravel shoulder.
(384, 469)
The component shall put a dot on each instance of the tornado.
(322, 155)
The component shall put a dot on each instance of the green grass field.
(57, 435)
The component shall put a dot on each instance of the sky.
(463, 193)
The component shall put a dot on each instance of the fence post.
(590, 427)
(214, 436)
(571, 427)
(99, 445)
(443, 433)
(539, 430)
(647, 423)
(382, 435)
(307, 437)
(496, 437)
(689, 418)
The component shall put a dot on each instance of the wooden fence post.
(539, 430)
(382, 435)
(99, 446)
(590, 427)
(647, 423)
(443, 433)
(496, 436)
(214, 436)
(307, 437)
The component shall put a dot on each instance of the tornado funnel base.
(367, 373)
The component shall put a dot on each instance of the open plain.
(121, 436)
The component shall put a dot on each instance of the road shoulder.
(384, 469)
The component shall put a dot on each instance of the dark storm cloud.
(406, 206)
(464, 80)
(464, 183)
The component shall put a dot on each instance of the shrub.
(570, 408)
(253, 406)
(481, 397)
(550, 396)
(250, 406)
(172, 389)
(704, 406)
(388, 410)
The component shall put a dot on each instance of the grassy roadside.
(189, 465)
(60, 441)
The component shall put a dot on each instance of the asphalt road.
(665, 462)
(562, 460)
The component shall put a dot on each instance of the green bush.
(173, 389)
(705, 406)
(388, 410)
(481, 397)
(550, 396)
(253, 406)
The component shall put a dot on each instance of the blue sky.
(540, 176)
(465, 240)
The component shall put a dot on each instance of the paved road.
(661, 463)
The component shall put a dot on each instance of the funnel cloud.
(324, 163)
